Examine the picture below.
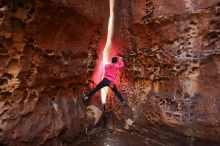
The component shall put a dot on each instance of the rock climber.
(109, 77)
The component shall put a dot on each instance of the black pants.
(103, 83)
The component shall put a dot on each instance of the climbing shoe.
(85, 99)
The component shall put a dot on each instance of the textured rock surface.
(172, 74)
(48, 51)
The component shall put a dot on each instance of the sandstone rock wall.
(48, 51)
(172, 74)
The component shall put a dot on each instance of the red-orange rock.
(48, 50)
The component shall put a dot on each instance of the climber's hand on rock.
(123, 59)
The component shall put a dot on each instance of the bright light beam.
(107, 48)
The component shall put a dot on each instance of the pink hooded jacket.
(112, 68)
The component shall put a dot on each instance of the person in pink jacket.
(108, 80)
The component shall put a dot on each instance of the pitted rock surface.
(48, 52)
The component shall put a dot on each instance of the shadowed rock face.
(48, 51)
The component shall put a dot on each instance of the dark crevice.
(1, 14)
(3, 3)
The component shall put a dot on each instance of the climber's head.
(114, 59)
